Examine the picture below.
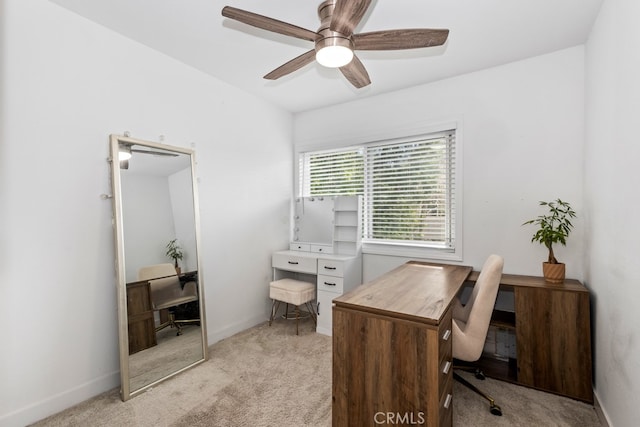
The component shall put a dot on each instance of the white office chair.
(167, 292)
(471, 322)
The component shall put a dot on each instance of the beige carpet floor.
(268, 376)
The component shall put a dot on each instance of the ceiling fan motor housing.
(326, 37)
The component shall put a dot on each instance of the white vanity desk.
(333, 275)
(324, 249)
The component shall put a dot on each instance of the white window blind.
(408, 187)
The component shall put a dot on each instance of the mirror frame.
(121, 283)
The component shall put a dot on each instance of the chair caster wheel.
(495, 410)
(479, 374)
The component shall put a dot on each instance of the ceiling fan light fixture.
(334, 51)
(334, 56)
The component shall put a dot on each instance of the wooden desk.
(392, 347)
(552, 326)
(142, 333)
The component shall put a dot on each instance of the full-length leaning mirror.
(161, 314)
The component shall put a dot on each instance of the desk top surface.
(516, 280)
(416, 291)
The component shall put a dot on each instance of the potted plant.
(174, 251)
(553, 227)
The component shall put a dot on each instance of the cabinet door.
(324, 309)
(554, 341)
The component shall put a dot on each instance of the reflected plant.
(174, 251)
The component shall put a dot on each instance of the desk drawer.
(330, 283)
(446, 336)
(331, 267)
(445, 373)
(294, 263)
(446, 405)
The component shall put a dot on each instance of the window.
(408, 187)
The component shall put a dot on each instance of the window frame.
(401, 249)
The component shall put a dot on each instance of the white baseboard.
(323, 331)
(61, 401)
(602, 415)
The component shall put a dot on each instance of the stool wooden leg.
(297, 318)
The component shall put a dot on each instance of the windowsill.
(412, 251)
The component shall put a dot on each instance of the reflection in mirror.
(314, 220)
(160, 290)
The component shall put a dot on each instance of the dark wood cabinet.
(141, 325)
(552, 325)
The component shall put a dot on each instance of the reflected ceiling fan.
(125, 151)
(335, 41)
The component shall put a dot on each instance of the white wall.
(146, 235)
(182, 206)
(66, 85)
(522, 135)
(611, 203)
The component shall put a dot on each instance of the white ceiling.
(483, 34)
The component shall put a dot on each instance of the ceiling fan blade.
(347, 15)
(400, 39)
(293, 65)
(355, 72)
(268, 24)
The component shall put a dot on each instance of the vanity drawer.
(331, 267)
(303, 247)
(330, 283)
(321, 249)
(294, 263)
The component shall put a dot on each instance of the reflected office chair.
(167, 292)
(471, 323)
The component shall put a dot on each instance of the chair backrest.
(471, 324)
(164, 283)
(155, 271)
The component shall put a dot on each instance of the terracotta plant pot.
(553, 273)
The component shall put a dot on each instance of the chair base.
(493, 408)
(173, 323)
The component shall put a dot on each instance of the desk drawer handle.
(329, 284)
(329, 268)
(318, 309)
(446, 335)
(446, 368)
(293, 262)
(447, 401)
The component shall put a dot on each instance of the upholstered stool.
(294, 292)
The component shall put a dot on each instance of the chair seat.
(292, 291)
(175, 302)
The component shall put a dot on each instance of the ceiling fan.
(335, 41)
(125, 151)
